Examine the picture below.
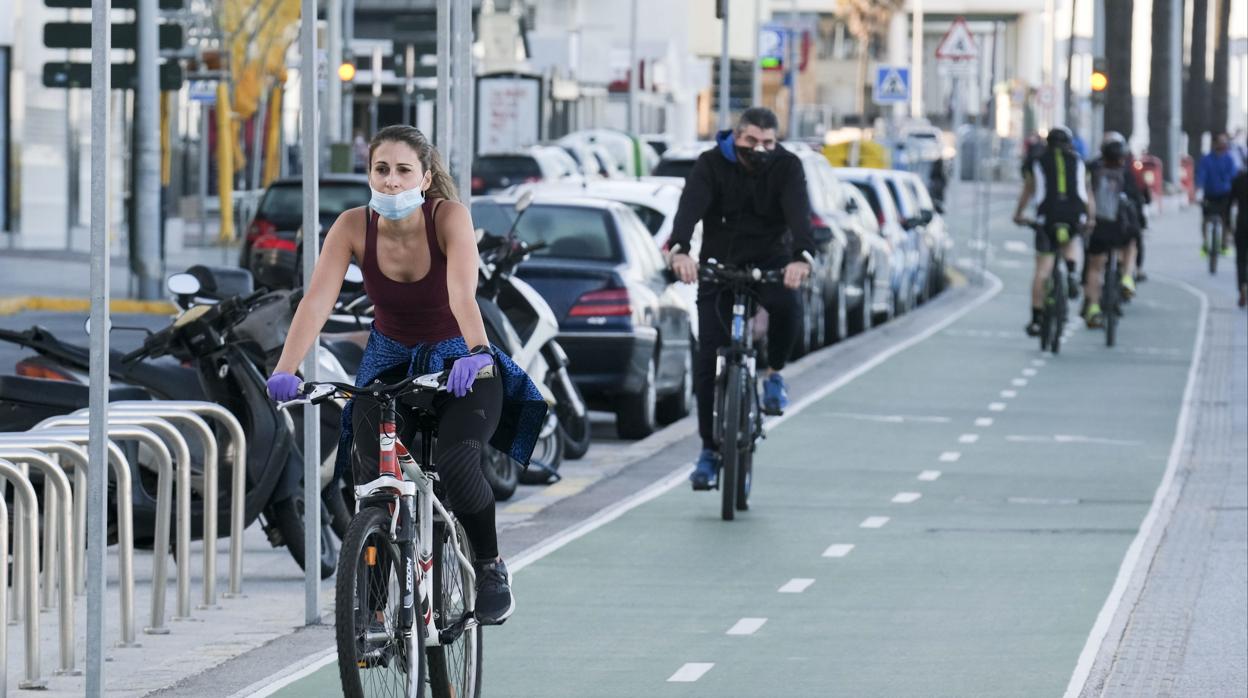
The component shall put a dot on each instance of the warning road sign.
(958, 44)
(892, 85)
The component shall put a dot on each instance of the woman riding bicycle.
(418, 254)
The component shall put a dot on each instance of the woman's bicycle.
(406, 588)
(738, 412)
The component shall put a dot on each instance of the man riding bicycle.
(750, 194)
(1119, 208)
(1057, 186)
(1214, 175)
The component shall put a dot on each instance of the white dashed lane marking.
(968, 438)
(929, 475)
(796, 586)
(949, 456)
(747, 626)
(1038, 362)
(691, 672)
(1009, 393)
(1019, 382)
(873, 522)
(1029, 372)
(983, 422)
(906, 497)
(838, 550)
(996, 407)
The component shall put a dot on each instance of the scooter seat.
(58, 395)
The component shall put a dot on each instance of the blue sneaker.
(706, 472)
(775, 395)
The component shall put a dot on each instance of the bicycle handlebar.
(316, 392)
(716, 271)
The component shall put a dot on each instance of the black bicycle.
(1211, 231)
(1111, 297)
(738, 409)
(1056, 304)
(404, 554)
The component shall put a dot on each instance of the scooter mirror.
(183, 285)
(354, 274)
(524, 201)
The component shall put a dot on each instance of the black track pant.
(465, 426)
(1241, 256)
(784, 321)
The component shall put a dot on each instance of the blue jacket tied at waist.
(524, 409)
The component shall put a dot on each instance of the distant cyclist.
(1056, 184)
(1213, 179)
(750, 194)
(1119, 209)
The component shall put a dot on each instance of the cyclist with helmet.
(1119, 208)
(1056, 185)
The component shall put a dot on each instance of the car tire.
(862, 320)
(635, 414)
(679, 404)
(837, 315)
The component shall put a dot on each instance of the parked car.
(903, 243)
(677, 160)
(635, 157)
(589, 166)
(624, 327)
(869, 262)
(939, 242)
(897, 183)
(495, 171)
(825, 290)
(269, 249)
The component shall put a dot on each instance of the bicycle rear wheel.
(455, 667)
(1215, 243)
(374, 657)
(1109, 299)
(729, 447)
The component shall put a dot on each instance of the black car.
(623, 325)
(271, 248)
(538, 163)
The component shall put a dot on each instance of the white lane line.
(691, 672)
(1029, 372)
(929, 475)
(983, 422)
(1019, 382)
(906, 497)
(1159, 513)
(272, 684)
(968, 438)
(1071, 439)
(996, 407)
(950, 456)
(1038, 362)
(1009, 393)
(746, 626)
(795, 586)
(890, 418)
(873, 522)
(838, 550)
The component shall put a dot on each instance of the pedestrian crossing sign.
(892, 85)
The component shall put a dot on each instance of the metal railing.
(28, 515)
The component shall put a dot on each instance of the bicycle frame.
(740, 350)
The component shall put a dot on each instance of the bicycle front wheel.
(454, 667)
(375, 657)
(1109, 301)
(1215, 244)
(730, 444)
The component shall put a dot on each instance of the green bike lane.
(989, 493)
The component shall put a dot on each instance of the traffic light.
(1099, 81)
(346, 71)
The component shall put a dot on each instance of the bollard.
(238, 474)
(74, 446)
(53, 474)
(164, 493)
(28, 507)
(209, 492)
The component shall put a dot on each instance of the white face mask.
(396, 207)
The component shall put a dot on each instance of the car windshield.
(510, 166)
(283, 203)
(569, 232)
(674, 168)
(869, 192)
(492, 217)
(651, 218)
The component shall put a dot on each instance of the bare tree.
(1119, 106)
(866, 20)
(1196, 102)
(1221, 62)
(1160, 116)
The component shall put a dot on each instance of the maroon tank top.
(413, 312)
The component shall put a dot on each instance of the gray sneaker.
(495, 602)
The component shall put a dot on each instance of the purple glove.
(283, 387)
(464, 372)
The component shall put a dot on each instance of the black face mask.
(754, 160)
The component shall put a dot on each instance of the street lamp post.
(725, 110)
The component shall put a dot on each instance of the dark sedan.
(270, 249)
(625, 328)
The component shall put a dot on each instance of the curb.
(11, 305)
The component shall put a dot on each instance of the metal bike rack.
(28, 508)
(182, 453)
(72, 445)
(53, 473)
(238, 464)
(164, 493)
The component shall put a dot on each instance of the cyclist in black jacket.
(750, 194)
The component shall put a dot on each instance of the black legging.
(1241, 255)
(465, 426)
(784, 315)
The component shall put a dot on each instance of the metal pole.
(373, 103)
(461, 18)
(257, 147)
(146, 225)
(791, 70)
(443, 116)
(1098, 51)
(756, 80)
(28, 507)
(348, 101)
(633, 74)
(71, 162)
(97, 446)
(203, 172)
(311, 244)
(409, 57)
(916, 59)
(333, 91)
(725, 110)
